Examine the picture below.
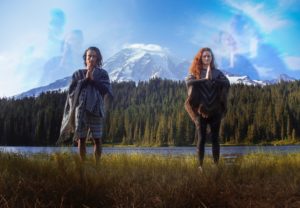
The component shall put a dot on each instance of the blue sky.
(32, 32)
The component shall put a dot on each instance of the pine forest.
(152, 114)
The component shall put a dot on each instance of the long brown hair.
(197, 65)
(99, 55)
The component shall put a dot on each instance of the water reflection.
(227, 151)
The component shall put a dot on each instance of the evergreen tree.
(152, 113)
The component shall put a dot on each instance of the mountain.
(239, 79)
(281, 78)
(142, 62)
(61, 84)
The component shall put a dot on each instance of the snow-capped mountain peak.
(243, 79)
(139, 62)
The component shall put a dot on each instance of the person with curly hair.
(206, 103)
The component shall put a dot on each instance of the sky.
(34, 33)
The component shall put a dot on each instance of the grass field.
(135, 180)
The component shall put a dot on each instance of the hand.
(89, 74)
(204, 115)
(202, 112)
(208, 73)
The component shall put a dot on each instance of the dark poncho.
(207, 96)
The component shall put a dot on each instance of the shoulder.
(218, 71)
(79, 71)
(101, 73)
(101, 70)
(78, 74)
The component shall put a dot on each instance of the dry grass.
(61, 180)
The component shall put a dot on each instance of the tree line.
(152, 113)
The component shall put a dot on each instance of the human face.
(206, 58)
(91, 59)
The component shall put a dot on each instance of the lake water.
(226, 151)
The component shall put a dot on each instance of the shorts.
(89, 123)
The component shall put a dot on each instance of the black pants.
(214, 123)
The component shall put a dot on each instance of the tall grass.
(135, 180)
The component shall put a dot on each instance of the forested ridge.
(152, 113)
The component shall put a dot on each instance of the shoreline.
(157, 146)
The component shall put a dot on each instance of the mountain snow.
(139, 62)
(61, 84)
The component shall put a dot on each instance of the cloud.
(57, 22)
(289, 4)
(245, 35)
(10, 82)
(265, 71)
(67, 61)
(293, 62)
(205, 29)
(55, 31)
(267, 20)
(148, 47)
(269, 62)
(238, 35)
(23, 69)
(212, 21)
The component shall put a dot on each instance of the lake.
(226, 151)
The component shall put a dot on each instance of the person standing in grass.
(84, 109)
(207, 100)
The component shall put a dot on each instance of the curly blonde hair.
(197, 65)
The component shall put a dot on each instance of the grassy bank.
(61, 180)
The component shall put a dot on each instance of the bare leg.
(82, 148)
(97, 149)
(192, 112)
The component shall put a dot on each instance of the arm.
(191, 80)
(73, 84)
(101, 82)
(77, 77)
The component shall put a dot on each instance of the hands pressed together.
(89, 74)
(208, 73)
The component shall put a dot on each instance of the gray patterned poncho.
(88, 94)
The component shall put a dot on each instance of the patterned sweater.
(207, 96)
